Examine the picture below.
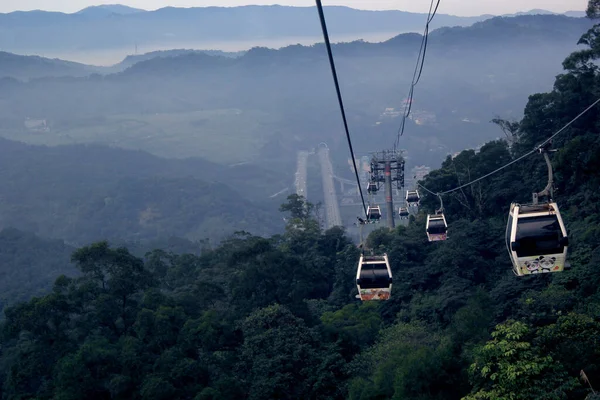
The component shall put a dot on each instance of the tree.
(509, 128)
(297, 206)
(111, 277)
(357, 324)
(510, 367)
(283, 357)
(593, 9)
(408, 362)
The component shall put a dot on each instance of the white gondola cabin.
(536, 238)
(437, 228)
(374, 278)
(412, 198)
(372, 187)
(373, 213)
(403, 213)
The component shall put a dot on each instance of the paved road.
(332, 211)
(301, 172)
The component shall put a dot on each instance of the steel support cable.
(423, 187)
(536, 149)
(339, 96)
(418, 70)
(422, 49)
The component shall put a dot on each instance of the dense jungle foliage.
(277, 318)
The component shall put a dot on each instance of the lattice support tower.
(387, 168)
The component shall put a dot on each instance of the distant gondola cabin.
(403, 213)
(437, 228)
(412, 198)
(373, 213)
(372, 188)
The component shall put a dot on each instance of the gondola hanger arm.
(441, 209)
(548, 191)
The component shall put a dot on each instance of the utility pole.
(387, 167)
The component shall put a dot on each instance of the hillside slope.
(86, 193)
(32, 67)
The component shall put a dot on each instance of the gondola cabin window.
(374, 275)
(538, 235)
(436, 226)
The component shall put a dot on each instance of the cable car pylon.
(387, 167)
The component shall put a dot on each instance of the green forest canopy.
(260, 318)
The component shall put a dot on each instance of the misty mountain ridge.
(550, 28)
(106, 30)
(541, 26)
(102, 10)
(575, 14)
(105, 10)
(25, 67)
(136, 58)
(31, 67)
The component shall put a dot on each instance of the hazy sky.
(456, 7)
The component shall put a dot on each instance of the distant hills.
(537, 11)
(86, 193)
(182, 105)
(31, 67)
(119, 27)
(107, 10)
(575, 14)
(258, 107)
(134, 59)
(528, 23)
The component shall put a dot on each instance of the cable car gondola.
(537, 239)
(412, 198)
(374, 278)
(403, 213)
(437, 228)
(373, 213)
(372, 187)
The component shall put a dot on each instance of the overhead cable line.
(418, 70)
(339, 95)
(518, 159)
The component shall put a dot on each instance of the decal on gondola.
(543, 264)
(536, 239)
(375, 294)
(434, 238)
